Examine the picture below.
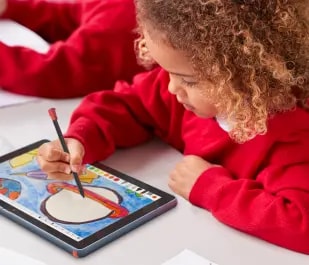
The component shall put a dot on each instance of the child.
(92, 46)
(231, 95)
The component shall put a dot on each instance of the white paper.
(14, 34)
(10, 257)
(187, 257)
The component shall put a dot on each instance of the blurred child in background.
(91, 47)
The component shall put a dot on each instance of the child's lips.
(188, 107)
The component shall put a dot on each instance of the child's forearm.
(276, 215)
(52, 20)
(126, 116)
(64, 71)
(102, 124)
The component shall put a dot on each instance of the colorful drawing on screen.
(65, 204)
(37, 174)
(108, 197)
(10, 188)
(23, 159)
(88, 177)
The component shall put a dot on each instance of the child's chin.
(203, 115)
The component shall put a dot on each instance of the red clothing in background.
(92, 46)
(262, 187)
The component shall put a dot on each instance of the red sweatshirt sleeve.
(53, 20)
(127, 116)
(274, 205)
(97, 54)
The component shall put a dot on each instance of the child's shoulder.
(289, 123)
(156, 76)
(153, 82)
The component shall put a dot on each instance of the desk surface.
(186, 226)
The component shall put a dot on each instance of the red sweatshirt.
(92, 47)
(262, 187)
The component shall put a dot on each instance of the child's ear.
(142, 53)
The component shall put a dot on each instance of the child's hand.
(58, 164)
(185, 174)
(3, 6)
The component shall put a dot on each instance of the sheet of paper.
(187, 257)
(14, 34)
(10, 257)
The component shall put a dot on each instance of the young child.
(92, 46)
(231, 94)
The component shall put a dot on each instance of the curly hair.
(256, 52)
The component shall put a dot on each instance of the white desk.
(185, 226)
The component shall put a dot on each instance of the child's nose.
(173, 87)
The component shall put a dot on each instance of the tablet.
(114, 203)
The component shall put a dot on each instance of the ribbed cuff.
(206, 190)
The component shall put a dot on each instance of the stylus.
(53, 115)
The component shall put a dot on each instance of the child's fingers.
(53, 160)
(51, 152)
(53, 167)
(76, 155)
(60, 176)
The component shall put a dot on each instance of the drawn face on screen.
(66, 205)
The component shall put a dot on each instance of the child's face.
(183, 82)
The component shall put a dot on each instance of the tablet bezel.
(121, 224)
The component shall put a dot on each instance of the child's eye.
(188, 83)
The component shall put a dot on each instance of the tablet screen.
(109, 197)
